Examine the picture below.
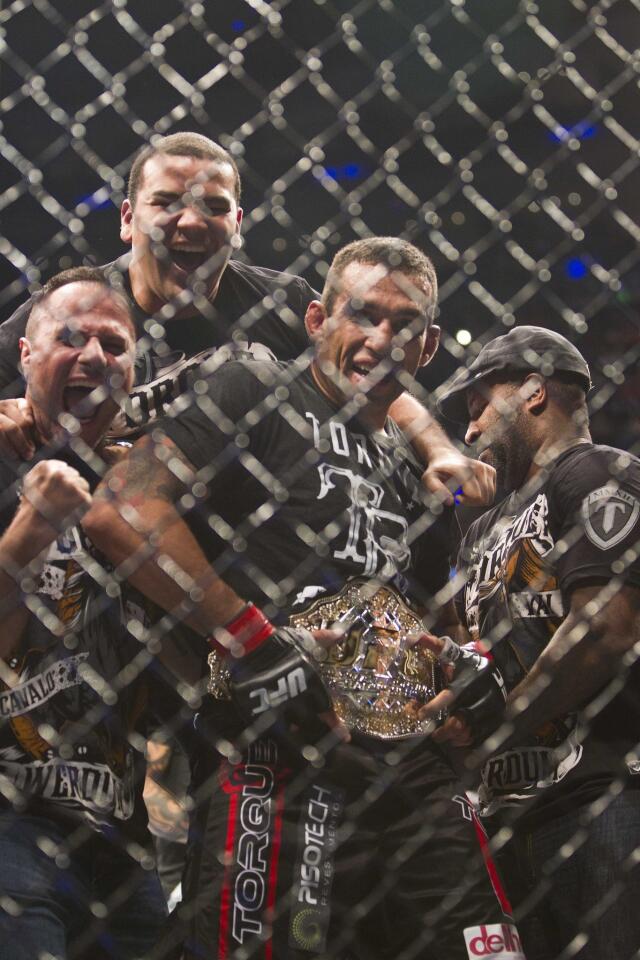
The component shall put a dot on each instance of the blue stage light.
(576, 268)
(579, 131)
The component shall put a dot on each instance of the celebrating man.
(301, 499)
(73, 831)
(552, 587)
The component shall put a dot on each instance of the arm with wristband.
(136, 522)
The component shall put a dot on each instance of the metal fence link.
(503, 140)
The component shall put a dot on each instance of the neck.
(150, 304)
(370, 415)
(553, 446)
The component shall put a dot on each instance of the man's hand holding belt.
(475, 696)
(273, 678)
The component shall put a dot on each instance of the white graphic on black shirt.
(609, 514)
(37, 690)
(91, 786)
(491, 562)
(174, 376)
(366, 543)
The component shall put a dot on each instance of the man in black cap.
(552, 582)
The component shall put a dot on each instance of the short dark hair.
(110, 280)
(568, 393)
(180, 145)
(392, 252)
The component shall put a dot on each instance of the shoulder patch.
(609, 514)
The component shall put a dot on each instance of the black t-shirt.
(524, 558)
(67, 727)
(297, 501)
(256, 313)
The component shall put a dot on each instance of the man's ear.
(314, 319)
(431, 344)
(25, 353)
(534, 393)
(126, 222)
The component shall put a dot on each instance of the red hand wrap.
(249, 629)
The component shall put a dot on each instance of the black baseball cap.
(522, 349)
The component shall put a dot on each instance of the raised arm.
(53, 495)
(446, 468)
(136, 522)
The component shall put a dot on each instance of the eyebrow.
(166, 194)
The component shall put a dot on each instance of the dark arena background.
(502, 137)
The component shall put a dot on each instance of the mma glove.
(274, 672)
(479, 688)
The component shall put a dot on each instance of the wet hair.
(111, 281)
(180, 145)
(392, 252)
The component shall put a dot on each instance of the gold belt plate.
(377, 677)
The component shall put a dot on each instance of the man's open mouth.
(82, 401)
(381, 373)
(188, 260)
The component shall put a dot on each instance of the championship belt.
(376, 676)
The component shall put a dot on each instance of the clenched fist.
(57, 493)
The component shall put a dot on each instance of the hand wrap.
(275, 673)
(479, 688)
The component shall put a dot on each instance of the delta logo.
(496, 941)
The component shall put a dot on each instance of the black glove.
(279, 680)
(480, 691)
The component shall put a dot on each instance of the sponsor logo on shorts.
(252, 847)
(313, 870)
(497, 941)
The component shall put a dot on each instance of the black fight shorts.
(370, 857)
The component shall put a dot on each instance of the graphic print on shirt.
(512, 598)
(384, 554)
(609, 514)
(56, 742)
(170, 376)
(373, 537)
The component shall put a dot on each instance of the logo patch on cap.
(609, 514)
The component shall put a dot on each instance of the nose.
(92, 354)
(191, 217)
(473, 433)
(380, 337)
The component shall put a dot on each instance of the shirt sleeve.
(11, 381)
(594, 504)
(211, 428)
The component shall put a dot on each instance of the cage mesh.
(501, 139)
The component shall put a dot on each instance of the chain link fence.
(500, 138)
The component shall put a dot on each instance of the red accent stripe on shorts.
(490, 864)
(226, 894)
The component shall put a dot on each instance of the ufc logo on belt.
(287, 687)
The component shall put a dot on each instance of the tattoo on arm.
(153, 470)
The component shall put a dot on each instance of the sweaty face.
(81, 351)
(181, 230)
(377, 330)
(499, 429)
